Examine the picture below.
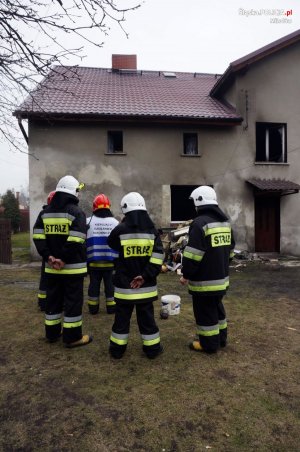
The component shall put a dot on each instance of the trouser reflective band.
(151, 339)
(53, 319)
(110, 302)
(222, 324)
(72, 322)
(119, 339)
(42, 294)
(93, 301)
(136, 294)
(209, 286)
(212, 330)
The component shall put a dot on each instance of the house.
(162, 134)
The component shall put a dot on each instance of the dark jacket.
(60, 231)
(140, 253)
(206, 257)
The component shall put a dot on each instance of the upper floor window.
(271, 142)
(190, 143)
(115, 141)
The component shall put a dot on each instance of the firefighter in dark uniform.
(42, 293)
(59, 235)
(205, 268)
(100, 256)
(140, 259)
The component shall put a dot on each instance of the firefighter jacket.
(208, 252)
(140, 253)
(60, 231)
(99, 254)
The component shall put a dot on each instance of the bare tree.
(24, 24)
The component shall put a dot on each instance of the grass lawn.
(244, 398)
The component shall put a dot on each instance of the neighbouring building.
(123, 129)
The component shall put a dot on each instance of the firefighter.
(140, 259)
(59, 235)
(100, 256)
(205, 268)
(42, 294)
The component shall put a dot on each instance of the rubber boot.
(85, 340)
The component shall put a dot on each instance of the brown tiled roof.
(280, 185)
(96, 93)
(252, 57)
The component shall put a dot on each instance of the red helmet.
(101, 202)
(50, 196)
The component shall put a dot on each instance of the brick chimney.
(123, 62)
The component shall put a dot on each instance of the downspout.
(22, 129)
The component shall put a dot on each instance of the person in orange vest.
(100, 257)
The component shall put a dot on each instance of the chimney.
(123, 62)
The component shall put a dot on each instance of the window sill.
(115, 153)
(190, 155)
(272, 163)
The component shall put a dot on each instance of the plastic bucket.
(172, 303)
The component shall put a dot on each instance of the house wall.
(154, 161)
(271, 93)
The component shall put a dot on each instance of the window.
(115, 142)
(190, 144)
(271, 142)
(182, 208)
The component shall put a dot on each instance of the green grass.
(244, 398)
(21, 247)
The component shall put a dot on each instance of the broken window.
(190, 143)
(271, 142)
(115, 142)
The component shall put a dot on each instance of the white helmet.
(132, 201)
(68, 184)
(204, 195)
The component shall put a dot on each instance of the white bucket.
(172, 303)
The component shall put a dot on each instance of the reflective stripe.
(72, 322)
(93, 301)
(110, 302)
(63, 215)
(213, 228)
(151, 339)
(97, 247)
(53, 319)
(101, 264)
(209, 286)
(39, 236)
(42, 294)
(75, 239)
(38, 231)
(101, 254)
(78, 234)
(68, 269)
(120, 339)
(157, 258)
(193, 253)
(212, 330)
(137, 236)
(222, 324)
(135, 294)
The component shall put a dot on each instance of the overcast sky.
(179, 35)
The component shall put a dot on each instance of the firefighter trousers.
(147, 326)
(64, 308)
(211, 321)
(42, 293)
(96, 276)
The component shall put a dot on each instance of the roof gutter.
(22, 129)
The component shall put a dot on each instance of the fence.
(5, 241)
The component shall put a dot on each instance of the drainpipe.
(22, 129)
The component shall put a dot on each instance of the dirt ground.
(244, 398)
